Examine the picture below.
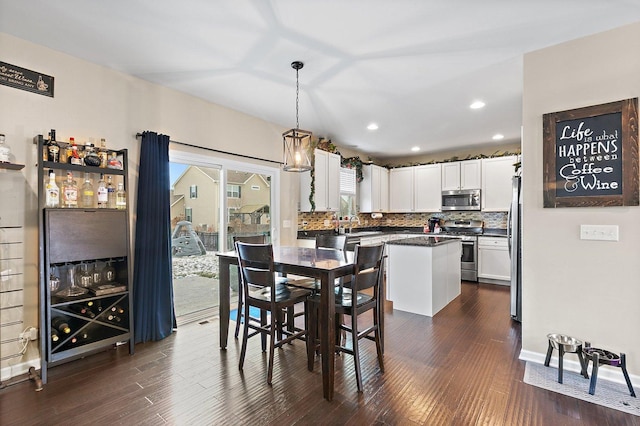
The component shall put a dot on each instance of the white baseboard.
(570, 363)
(18, 369)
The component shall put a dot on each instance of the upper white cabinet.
(496, 183)
(374, 189)
(461, 175)
(428, 197)
(415, 189)
(327, 183)
(401, 190)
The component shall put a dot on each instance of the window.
(347, 192)
(233, 191)
(188, 214)
(193, 191)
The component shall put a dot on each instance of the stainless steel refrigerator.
(514, 234)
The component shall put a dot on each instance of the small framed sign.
(591, 156)
(27, 80)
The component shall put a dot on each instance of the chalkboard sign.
(591, 156)
(27, 80)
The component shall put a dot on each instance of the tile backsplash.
(317, 221)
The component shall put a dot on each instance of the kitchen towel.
(609, 394)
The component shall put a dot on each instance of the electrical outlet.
(599, 232)
(29, 334)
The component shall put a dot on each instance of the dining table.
(323, 265)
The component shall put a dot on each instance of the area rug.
(254, 312)
(609, 394)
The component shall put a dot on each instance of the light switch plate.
(599, 232)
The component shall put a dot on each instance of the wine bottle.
(113, 318)
(54, 336)
(117, 309)
(60, 324)
(83, 310)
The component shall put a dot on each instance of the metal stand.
(602, 356)
(575, 347)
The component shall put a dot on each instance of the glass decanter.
(109, 273)
(84, 277)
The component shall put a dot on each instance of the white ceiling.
(412, 66)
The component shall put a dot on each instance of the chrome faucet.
(351, 219)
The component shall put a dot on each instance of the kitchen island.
(423, 273)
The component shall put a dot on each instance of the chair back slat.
(250, 239)
(368, 261)
(256, 264)
(331, 241)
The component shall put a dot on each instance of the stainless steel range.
(467, 231)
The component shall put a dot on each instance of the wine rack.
(85, 270)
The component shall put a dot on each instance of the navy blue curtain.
(153, 283)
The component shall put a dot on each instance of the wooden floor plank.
(459, 367)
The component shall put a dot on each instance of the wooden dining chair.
(331, 241)
(261, 290)
(250, 239)
(363, 296)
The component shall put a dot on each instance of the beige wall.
(95, 102)
(586, 289)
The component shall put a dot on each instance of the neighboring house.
(196, 198)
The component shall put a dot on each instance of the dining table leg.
(327, 333)
(224, 299)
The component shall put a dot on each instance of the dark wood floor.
(460, 367)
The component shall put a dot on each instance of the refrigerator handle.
(509, 230)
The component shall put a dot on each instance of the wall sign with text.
(591, 156)
(27, 80)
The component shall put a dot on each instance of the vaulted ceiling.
(411, 66)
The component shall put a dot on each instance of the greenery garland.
(353, 163)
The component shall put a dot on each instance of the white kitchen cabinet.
(461, 175)
(374, 189)
(327, 183)
(401, 190)
(428, 196)
(493, 259)
(415, 189)
(496, 183)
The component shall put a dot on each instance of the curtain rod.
(219, 151)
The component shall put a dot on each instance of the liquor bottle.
(52, 192)
(53, 149)
(111, 194)
(114, 163)
(60, 324)
(69, 192)
(54, 336)
(103, 153)
(121, 197)
(90, 156)
(86, 197)
(73, 157)
(5, 152)
(45, 148)
(103, 193)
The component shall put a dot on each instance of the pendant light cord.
(297, 96)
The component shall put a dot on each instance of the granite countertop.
(423, 241)
(494, 232)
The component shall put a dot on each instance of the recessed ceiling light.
(498, 136)
(477, 105)
(415, 149)
(372, 126)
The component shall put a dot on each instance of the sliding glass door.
(213, 200)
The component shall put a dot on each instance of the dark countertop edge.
(488, 232)
(425, 241)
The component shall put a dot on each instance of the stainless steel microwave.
(461, 199)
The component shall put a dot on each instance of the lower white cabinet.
(493, 258)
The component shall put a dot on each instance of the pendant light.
(297, 143)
